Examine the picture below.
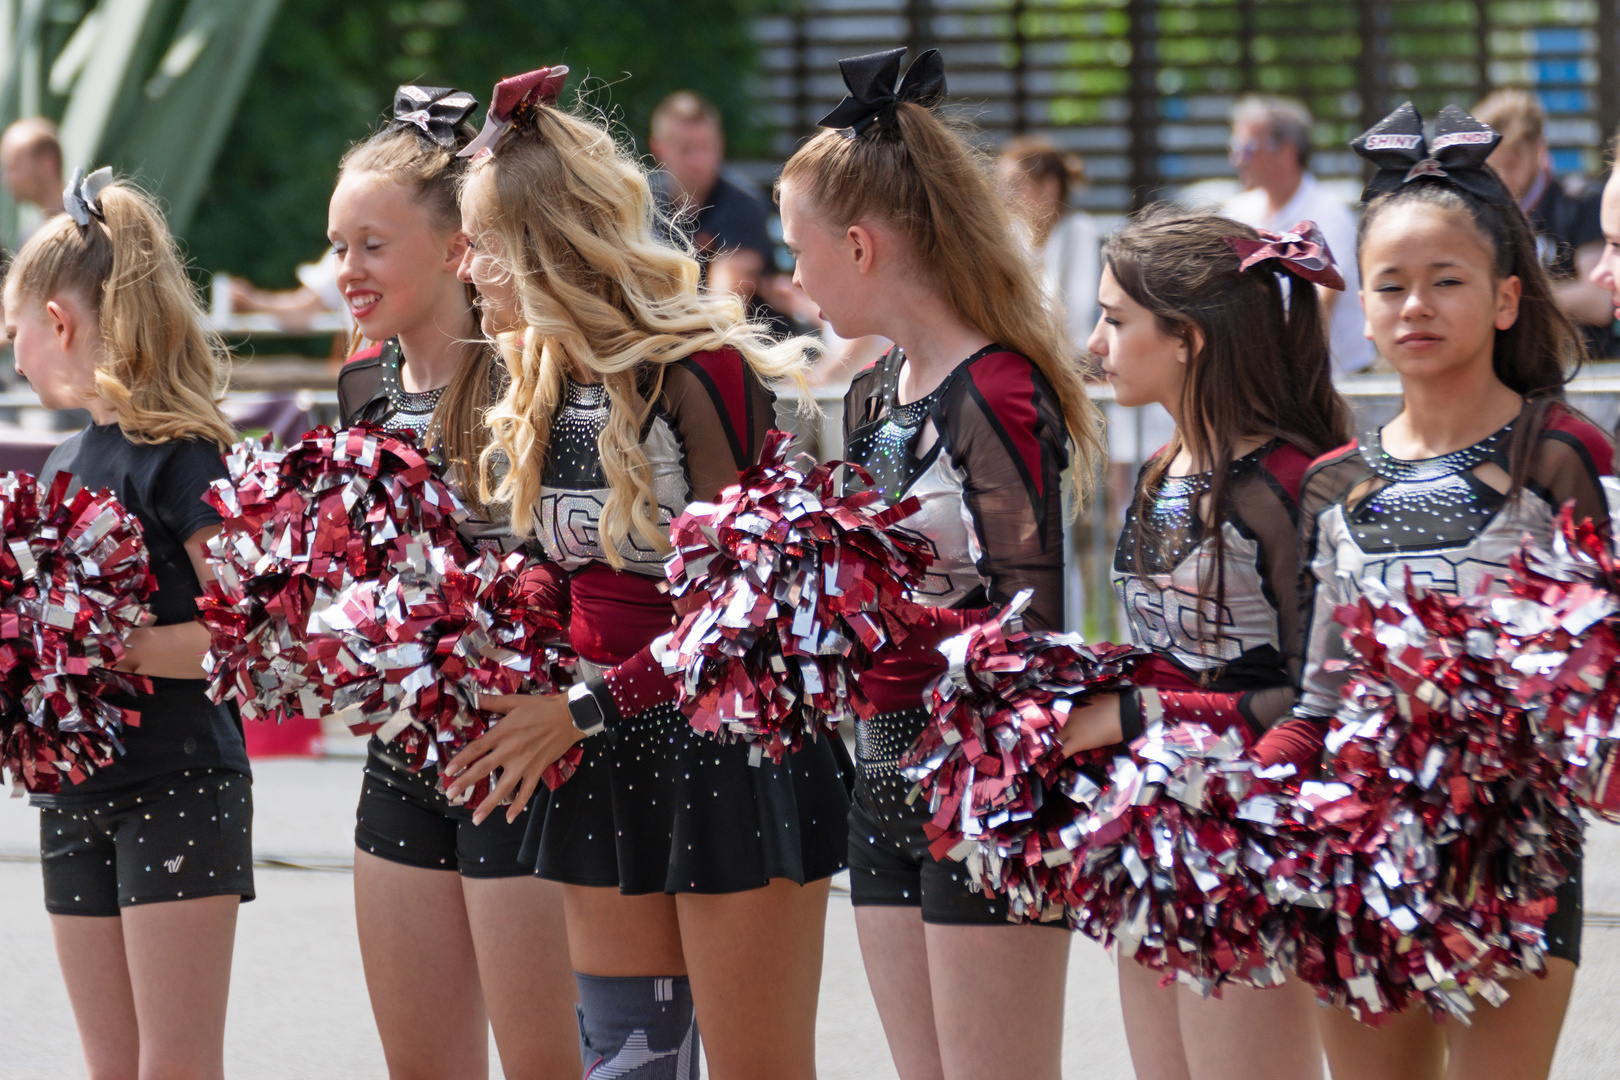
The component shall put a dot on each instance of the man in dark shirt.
(1564, 214)
(725, 223)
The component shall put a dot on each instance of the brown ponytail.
(1264, 368)
(928, 182)
(162, 370)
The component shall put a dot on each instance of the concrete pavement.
(299, 1007)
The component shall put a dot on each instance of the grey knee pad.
(639, 1028)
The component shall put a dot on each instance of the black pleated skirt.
(656, 807)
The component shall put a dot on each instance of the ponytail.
(926, 181)
(1264, 367)
(162, 371)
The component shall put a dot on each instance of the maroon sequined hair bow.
(1302, 250)
(513, 99)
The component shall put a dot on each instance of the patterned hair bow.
(1301, 249)
(1455, 156)
(436, 111)
(82, 197)
(873, 92)
(514, 100)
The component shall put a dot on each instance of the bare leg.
(521, 942)
(894, 949)
(1517, 1041)
(1409, 1047)
(179, 955)
(1152, 1023)
(755, 963)
(421, 970)
(91, 952)
(620, 936)
(1249, 1034)
(998, 1000)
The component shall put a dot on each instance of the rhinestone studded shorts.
(889, 863)
(403, 817)
(177, 837)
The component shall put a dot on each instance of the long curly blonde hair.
(162, 370)
(572, 220)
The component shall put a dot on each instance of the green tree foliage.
(329, 70)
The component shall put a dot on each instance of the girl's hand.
(1092, 725)
(534, 731)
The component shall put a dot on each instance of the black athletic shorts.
(403, 817)
(1563, 927)
(176, 837)
(889, 863)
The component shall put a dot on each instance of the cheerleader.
(147, 861)
(692, 877)
(898, 232)
(1224, 330)
(439, 901)
(1483, 453)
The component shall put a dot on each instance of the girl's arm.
(174, 651)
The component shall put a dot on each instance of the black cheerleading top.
(983, 453)
(370, 391)
(163, 485)
(1444, 520)
(710, 414)
(1226, 640)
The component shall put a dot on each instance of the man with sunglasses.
(1271, 150)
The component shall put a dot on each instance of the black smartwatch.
(589, 716)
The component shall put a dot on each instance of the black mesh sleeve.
(1005, 432)
(1326, 487)
(1570, 458)
(358, 385)
(721, 412)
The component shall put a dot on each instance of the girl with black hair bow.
(1483, 453)
(897, 231)
(456, 934)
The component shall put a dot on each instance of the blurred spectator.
(1039, 179)
(725, 223)
(1564, 215)
(1271, 150)
(31, 172)
(295, 310)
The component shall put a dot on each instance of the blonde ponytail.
(926, 181)
(162, 370)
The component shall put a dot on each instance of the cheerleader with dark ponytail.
(1221, 327)
(1483, 454)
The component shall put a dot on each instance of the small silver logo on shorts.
(173, 865)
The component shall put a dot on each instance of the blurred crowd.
(733, 226)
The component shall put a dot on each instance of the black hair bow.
(873, 93)
(436, 111)
(1456, 156)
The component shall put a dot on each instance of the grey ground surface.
(298, 999)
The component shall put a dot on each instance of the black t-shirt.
(1565, 220)
(162, 484)
(731, 219)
